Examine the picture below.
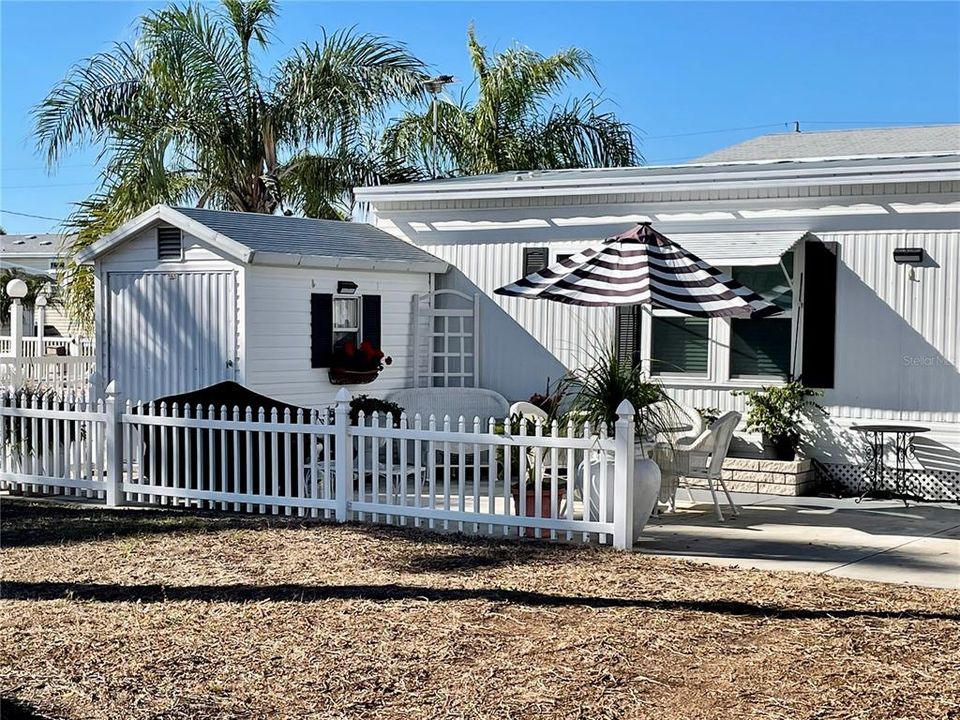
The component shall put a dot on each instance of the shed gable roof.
(255, 238)
(306, 236)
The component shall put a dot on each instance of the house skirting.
(799, 477)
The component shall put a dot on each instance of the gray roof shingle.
(874, 142)
(36, 244)
(307, 236)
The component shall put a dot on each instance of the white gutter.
(527, 185)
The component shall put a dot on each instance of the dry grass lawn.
(143, 614)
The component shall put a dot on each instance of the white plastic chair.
(702, 457)
(529, 411)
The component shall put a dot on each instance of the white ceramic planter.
(646, 492)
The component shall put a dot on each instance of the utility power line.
(29, 215)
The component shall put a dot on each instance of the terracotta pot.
(342, 376)
(531, 501)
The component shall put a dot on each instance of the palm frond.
(83, 107)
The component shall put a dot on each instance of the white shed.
(187, 297)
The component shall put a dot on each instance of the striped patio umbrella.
(642, 266)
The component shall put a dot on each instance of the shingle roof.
(876, 142)
(38, 245)
(307, 236)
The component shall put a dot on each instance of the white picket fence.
(490, 476)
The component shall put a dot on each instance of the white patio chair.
(688, 425)
(529, 412)
(702, 457)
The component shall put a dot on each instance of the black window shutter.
(535, 259)
(370, 319)
(321, 330)
(819, 314)
(627, 333)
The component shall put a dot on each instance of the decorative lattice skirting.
(932, 485)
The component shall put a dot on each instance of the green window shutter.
(628, 325)
(680, 345)
(760, 347)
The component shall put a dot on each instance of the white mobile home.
(811, 220)
(187, 297)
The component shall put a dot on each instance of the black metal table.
(875, 469)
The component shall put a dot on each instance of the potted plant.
(357, 365)
(530, 503)
(777, 411)
(597, 392)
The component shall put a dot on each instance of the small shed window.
(346, 321)
(169, 243)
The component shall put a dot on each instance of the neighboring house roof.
(873, 142)
(32, 245)
(256, 238)
(33, 254)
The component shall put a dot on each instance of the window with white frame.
(760, 347)
(346, 320)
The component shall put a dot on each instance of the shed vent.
(169, 243)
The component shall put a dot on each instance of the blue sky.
(679, 72)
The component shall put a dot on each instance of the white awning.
(754, 248)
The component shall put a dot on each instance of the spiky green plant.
(597, 390)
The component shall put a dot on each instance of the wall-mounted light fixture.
(908, 256)
(346, 287)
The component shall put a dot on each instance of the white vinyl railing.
(32, 346)
(493, 476)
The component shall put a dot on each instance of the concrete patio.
(877, 540)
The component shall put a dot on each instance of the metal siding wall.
(898, 349)
(170, 332)
(568, 332)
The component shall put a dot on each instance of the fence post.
(623, 478)
(16, 340)
(114, 443)
(342, 456)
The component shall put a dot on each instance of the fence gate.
(446, 339)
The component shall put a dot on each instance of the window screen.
(679, 345)
(169, 243)
(760, 347)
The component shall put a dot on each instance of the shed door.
(170, 332)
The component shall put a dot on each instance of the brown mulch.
(148, 614)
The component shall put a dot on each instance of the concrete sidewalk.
(877, 540)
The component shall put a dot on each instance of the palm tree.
(186, 115)
(506, 119)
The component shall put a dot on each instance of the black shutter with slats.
(370, 319)
(535, 259)
(819, 314)
(321, 330)
(627, 333)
